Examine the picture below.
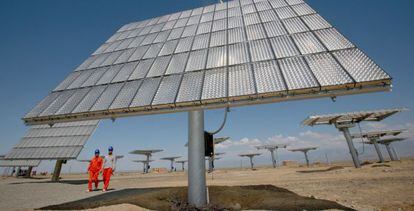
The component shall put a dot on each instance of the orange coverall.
(95, 167)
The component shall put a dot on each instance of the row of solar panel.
(254, 51)
(60, 131)
(67, 124)
(219, 34)
(234, 9)
(19, 163)
(318, 71)
(45, 153)
(213, 23)
(52, 142)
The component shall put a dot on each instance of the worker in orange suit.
(108, 168)
(94, 169)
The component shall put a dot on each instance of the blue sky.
(42, 41)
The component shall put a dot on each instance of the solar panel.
(145, 151)
(236, 53)
(351, 117)
(377, 134)
(61, 141)
(305, 149)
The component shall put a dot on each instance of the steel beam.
(197, 192)
(251, 162)
(306, 158)
(395, 153)
(375, 142)
(274, 162)
(390, 153)
(352, 150)
(56, 172)
(172, 166)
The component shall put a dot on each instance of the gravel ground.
(368, 188)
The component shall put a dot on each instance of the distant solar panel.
(60, 142)
(377, 134)
(351, 117)
(229, 54)
(19, 163)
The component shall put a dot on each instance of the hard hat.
(110, 148)
(96, 151)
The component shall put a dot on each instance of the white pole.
(197, 192)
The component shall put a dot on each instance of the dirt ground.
(373, 187)
(254, 197)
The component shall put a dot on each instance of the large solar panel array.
(61, 141)
(218, 55)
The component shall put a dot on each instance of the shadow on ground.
(322, 170)
(258, 197)
(70, 182)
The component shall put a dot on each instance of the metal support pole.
(306, 158)
(172, 165)
(144, 168)
(395, 153)
(197, 192)
(375, 142)
(251, 163)
(13, 171)
(182, 166)
(390, 153)
(352, 149)
(273, 158)
(56, 172)
(146, 164)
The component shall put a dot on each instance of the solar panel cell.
(268, 77)
(126, 94)
(333, 40)
(146, 92)
(327, 70)
(284, 47)
(260, 50)
(238, 54)
(359, 66)
(190, 89)
(105, 100)
(141, 69)
(95, 76)
(297, 74)
(315, 22)
(215, 85)
(217, 57)
(197, 60)
(241, 82)
(89, 100)
(308, 43)
(167, 90)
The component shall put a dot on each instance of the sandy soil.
(373, 187)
